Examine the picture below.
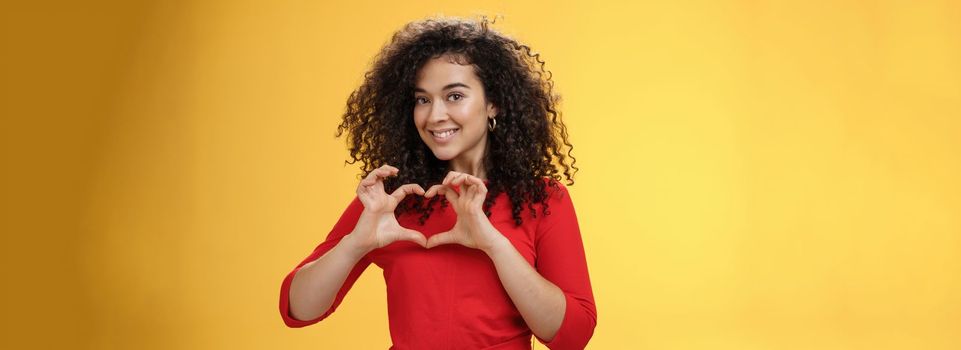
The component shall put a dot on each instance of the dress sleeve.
(560, 259)
(343, 226)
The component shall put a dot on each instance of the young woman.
(491, 253)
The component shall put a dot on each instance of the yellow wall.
(754, 175)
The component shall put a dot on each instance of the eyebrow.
(446, 87)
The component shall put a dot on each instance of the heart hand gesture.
(377, 226)
(473, 229)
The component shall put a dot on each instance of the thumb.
(407, 189)
(415, 236)
(441, 239)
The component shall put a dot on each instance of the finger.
(450, 176)
(379, 174)
(386, 171)
(477, 184)
(450, 193)
(404, 190)
(459, 180)
(371, 177)
(433, 191)
(468, 187)
(441, 239)
(477, 190)
(389, 167)
(364, 189)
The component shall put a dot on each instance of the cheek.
(420, 122)
(466, 115)
(419, 118)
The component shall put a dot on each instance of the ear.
(491, 110)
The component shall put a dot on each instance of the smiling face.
(451, 112)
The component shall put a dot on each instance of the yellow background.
(755, 175)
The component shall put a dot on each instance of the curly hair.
(526, 149)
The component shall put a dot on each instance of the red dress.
(450, 297)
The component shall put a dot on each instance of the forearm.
(541, 303)
(315, 285)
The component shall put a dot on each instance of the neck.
(470, 164)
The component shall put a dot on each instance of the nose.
(438, 113)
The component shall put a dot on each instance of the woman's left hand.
(473, 229)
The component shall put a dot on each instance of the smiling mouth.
(444, 134)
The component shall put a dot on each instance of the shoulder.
(557, 200)
(556, 190)
(558, 214)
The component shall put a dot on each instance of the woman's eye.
(451, 97)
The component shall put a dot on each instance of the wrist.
(355, 246)
(497, 245)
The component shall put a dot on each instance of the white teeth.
(444, 134)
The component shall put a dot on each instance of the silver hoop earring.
(491, 124)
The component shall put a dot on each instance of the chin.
(445, 156)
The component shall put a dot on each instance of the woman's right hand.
(377, 226)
